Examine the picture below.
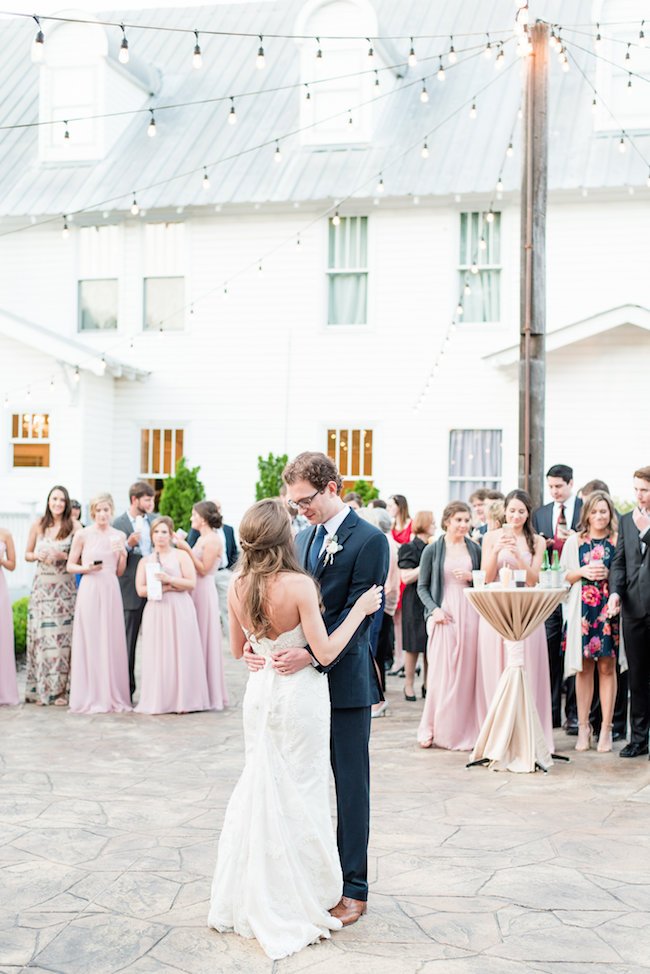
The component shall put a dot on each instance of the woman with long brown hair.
(51, 602)
(278, 871)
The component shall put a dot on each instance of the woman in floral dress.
(51, 603)
(591, 635)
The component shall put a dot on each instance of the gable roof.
(465, 156)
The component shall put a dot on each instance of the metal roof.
(465, 156)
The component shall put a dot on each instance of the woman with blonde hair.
(591, 634)
(99, 671)
(278, 871)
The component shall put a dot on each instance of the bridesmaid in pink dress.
(99, 670)
(207, 558)
(517, 546)
(449, 716)
(173, 679)
(8, 683)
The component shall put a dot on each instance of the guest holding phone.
(99, 674)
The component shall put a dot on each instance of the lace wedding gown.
(278, 869)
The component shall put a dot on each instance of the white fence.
(20, 580)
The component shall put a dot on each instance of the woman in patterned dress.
(51, 603)
(591, 635)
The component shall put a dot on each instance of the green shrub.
(180, 493)
(622, 506)
(365, 490)
(19, 611)
(270, 476)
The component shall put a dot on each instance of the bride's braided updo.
(266, 549)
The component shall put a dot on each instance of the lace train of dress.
(278, 869)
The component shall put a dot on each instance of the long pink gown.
(99, 669)
(492, 662)
(8, 683)
(173, 678)
(206, 603)
(449, 716)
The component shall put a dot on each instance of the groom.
(346, 555)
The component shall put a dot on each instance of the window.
(98, 305)
(351, 451)
(348, 271)
(30, 436)
(164, 299)
(160, 451)
(474, 461)
(480, 266)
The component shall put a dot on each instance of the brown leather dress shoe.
(348, 910)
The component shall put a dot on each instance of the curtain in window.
(347, 299)
(474, 461)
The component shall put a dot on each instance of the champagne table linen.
(511, 738)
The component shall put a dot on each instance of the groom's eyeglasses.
(305, 502)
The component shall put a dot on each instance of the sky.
(89, 6)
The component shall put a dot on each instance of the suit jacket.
(630, 573)
(543, 519)
(130, 598)
(232, 551)
(431, 579)
(361, 562)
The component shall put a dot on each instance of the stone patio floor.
(109, 829)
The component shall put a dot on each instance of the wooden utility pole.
(532, 358)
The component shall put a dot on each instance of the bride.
(278, 870)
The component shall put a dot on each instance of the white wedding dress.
(278, 871)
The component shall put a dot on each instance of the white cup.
(520, 577)
(478, 578)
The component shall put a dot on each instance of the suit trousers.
(556, 666)
(132, 620)
(350, 733)
(636, 633)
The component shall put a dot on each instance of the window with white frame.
(163, 303)
(480, 266)
(98, 305)
(347, 300)
(160, 451)
(621, 67)
(351, 451)
(474, 461)
(30, 438)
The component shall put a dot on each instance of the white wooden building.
(304, 303)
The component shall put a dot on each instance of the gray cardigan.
(432, 572)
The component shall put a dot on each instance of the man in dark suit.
(346, 555)
(136, 524)
(555, 521)
(630, 594)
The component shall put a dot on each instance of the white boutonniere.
(331, 547)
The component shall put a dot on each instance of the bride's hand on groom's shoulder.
(253, 660)
(370, 601)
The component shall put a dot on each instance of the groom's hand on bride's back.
(253, 660)
(291, 659)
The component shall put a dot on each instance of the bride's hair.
(266, 549)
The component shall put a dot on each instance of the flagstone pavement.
(109, 827)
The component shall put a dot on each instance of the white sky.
(91, 6)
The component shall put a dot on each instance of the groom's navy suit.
(354, 685)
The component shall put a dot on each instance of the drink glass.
(478, 578)
(520, 577)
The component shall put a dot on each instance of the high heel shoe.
(381, 710)
(585, 734)
(409, 696)
(605, 738)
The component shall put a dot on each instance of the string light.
(278, 154)
(424, 94)
(489, 216)
(594, 106)
(232, 116)
(488, 49)
(642, 35)
(500, 59)
(627, 54)
(451, 56)
(467, 289)
(319, 53)
(66, 135)
(412, 60)
(371, 53)
(65, 232)
(380, 184)
(259, 63)
(123, 56)
(482, 245)
(39, 41)
(308, 93)
(474, 267)
(377, 84)
(206, 179)
(597, 40)
(565, 64)
(76, 377)
(441, 71)
(629, 85)
(459, 309)
(510, 150)
(151, 130)
(197, 59)
(499, 185)
(621, 144)
(472, 111)
(135, 209)
(336, 219)
(425, 151)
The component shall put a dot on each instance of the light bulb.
(371, 53)
(488, 49)
(594, 106)
(65, 232)
(467, 289)
(597, 39)
(425, 151)
(522, 14)
(151, 130)
(621, 145)
(424, 94)
(472, 111)
(259, 63)
(319, 53)
(206, 180)
(39, 41)
(499, 185)
(380, 185)
(76, 376)
(441, 72)
(123, 56)
(510, 150)
(66, 136)
(500, 61)
(135, 209)
(197, 60)
(474, 268)
(278, 154)
(627, 53)
(308, 95)
(336, 219)
(629, 85)
(451, 56)
(412, 60)
(232, 117)
(459, 309)
(642, 35)
(377, 84)
(489, 216)
(565, 64)
(482, 244)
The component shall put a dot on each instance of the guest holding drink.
(397, 507)
(516, 547)
(591, 634)
(207, 556)
(449, 717)
(173, 668)
(99, 675)
(414, 632)
(51, 603)
(8, 683)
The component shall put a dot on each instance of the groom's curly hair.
(316, 468)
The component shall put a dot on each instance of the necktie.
(558, 543)
(314, 551)
(561, 521)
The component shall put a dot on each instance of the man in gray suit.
(136, 524)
